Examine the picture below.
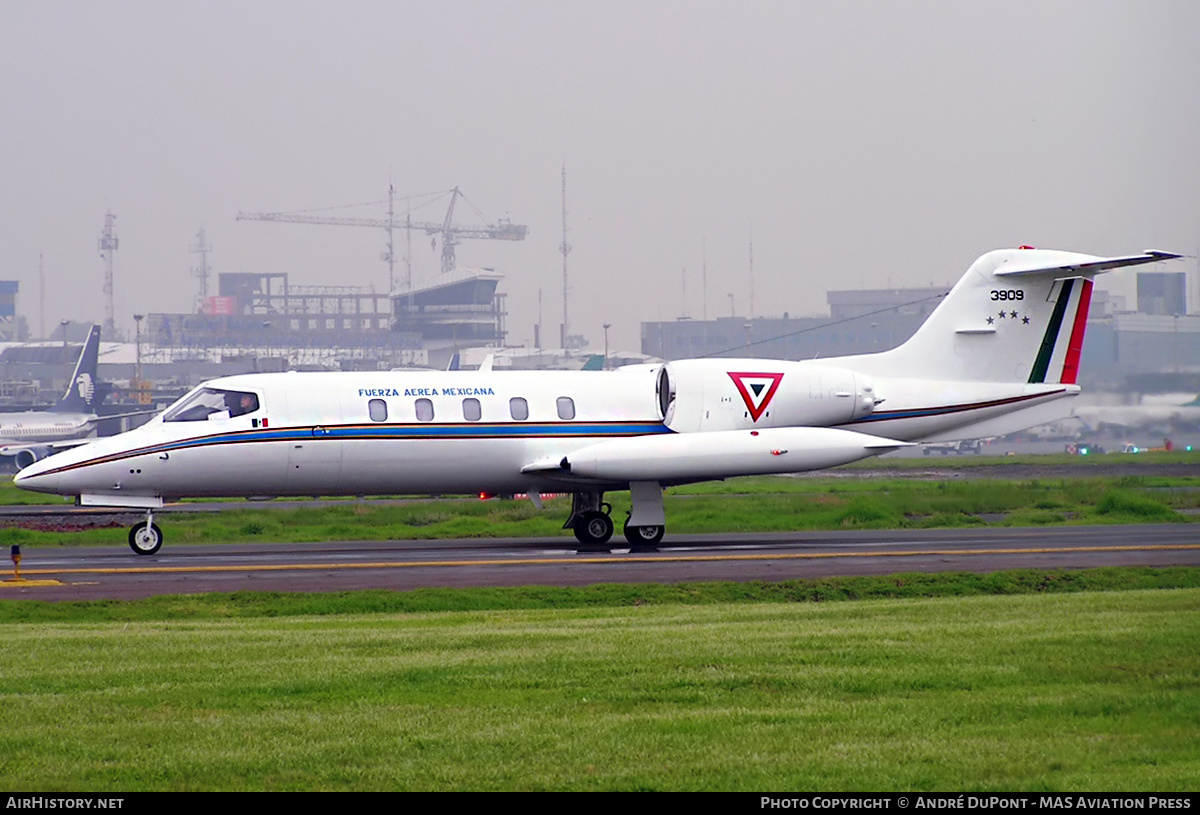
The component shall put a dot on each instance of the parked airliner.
(1161, 416)
(998, 354)
(35, 434)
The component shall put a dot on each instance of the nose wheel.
(145, 538)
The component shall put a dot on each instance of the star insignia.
(1025, 320)
(991, 320)
(1002, 315)
(1013, 314)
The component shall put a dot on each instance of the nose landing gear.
(145, 538)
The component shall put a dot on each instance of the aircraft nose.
(33, 478)
(24, 478)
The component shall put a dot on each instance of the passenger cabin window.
(518, 408)
(472, 411)
(212, 403)
(424, 410)
(377, 408)
(566, 407)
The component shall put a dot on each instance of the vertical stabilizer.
(81, 389)
(1017, 315)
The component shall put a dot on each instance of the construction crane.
(502, 230)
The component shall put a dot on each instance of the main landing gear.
(145, 538)
(590, 517)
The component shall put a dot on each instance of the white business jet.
(998, 354)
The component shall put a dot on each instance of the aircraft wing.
(1091, 266)
(146, 412)
(9, 448)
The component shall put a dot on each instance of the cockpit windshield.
(212, 403)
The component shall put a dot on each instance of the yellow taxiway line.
(545, 561)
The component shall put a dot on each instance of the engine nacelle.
(731, 394)
(27, 455)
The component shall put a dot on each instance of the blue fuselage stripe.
(385, 432)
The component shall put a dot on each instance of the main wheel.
(593, 528)
(145, 539)
(644, 535)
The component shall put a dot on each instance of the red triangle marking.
(739, 379)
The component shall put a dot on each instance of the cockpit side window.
(212, 403)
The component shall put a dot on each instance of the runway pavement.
(110, 572)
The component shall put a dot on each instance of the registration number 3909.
(1008, 294)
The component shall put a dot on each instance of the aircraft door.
(315, 451)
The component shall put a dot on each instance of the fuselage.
(349, 433)
(462, 431)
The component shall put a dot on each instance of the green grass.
(1039, 691)
(217, 605)
(1144, 459)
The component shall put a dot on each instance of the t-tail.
(1016, 316)
(81, 390)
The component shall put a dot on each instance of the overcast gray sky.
(862, 143)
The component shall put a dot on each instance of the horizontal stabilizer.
(1088, 267)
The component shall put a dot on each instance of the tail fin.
(81, 390)
(594, 363)
(1017, 315)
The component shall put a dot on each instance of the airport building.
(859, 322)
(262, 315)
(1162, 293)
(457, 310)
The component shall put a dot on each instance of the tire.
(145, 539)
(593, 528)
(640, 536)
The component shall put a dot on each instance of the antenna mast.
(108, 247)
(389, 254)
(683, 295)
(752, 273)
(41, 298)
(202, 248)
(565, 248)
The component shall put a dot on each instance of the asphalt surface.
(90, 573)
(115, 572)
